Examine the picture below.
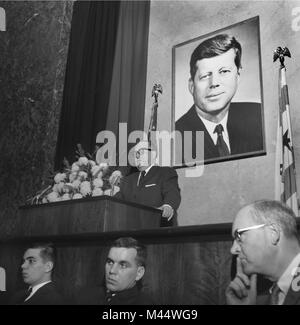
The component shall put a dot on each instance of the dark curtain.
(128, 88)
(88, 76)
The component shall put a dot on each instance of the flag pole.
(156, 90)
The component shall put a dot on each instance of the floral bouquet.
(85, 178)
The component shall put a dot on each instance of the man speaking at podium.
(153, 185)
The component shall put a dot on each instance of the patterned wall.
(33, 53)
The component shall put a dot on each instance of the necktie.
(274, 298)
(27, 294)
(221, 145)
(142, 175)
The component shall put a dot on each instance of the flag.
(285, 185)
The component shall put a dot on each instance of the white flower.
(92, 163)
(97, 192)
(68, 187)
(83, 161)
(115, 177)
(60, 187)
(65, 197)
(95, 170)
(107, 192)
(85, 188)
(44, 200)
(53, 197)
(116, 189)
(83, 175)
(60, 177)
(55, 188)
(77, 196)
(76, 184)
(98, 182)
(72, 176)
(104, 166)
(75, 167)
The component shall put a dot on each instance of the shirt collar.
(147, 169)
(210, 127)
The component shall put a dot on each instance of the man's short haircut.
(129, 242)
(47, 251)
(275, 212)
(214, 46)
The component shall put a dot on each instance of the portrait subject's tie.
(221, 145)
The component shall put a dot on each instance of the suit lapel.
(233, 139)
(293, 295)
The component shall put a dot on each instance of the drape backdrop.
(106, 73)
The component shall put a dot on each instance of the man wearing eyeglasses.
(266, 243)
(153, 185)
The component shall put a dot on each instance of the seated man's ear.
(49, 266)
(275, 234)
(140, 273)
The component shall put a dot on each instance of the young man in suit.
(37, 268)
(265, 242)
(229, 128)
(152, 185)
(124, 269)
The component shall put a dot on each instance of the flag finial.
(281, 53)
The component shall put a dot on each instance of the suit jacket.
(158, 187)
(99, 296)
(46, 295)
(244, 127)
(292, 297)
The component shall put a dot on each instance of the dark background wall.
(33, 52)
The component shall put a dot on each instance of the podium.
(90, 215)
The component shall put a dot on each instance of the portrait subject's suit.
(46, 295)
(158, 187)
(244, 127)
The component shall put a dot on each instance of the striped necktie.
(221, 145)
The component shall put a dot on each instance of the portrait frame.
(249, 90)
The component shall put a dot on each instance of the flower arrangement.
(84, 178)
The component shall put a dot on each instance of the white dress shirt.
(210, 127)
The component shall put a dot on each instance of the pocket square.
(149, 185)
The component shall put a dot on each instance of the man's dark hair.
(129, 242)
(214, 46)
(47, 251)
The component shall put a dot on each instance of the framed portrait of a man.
(217, 100)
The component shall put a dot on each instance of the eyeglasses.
(139, 153)
(238, 232)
